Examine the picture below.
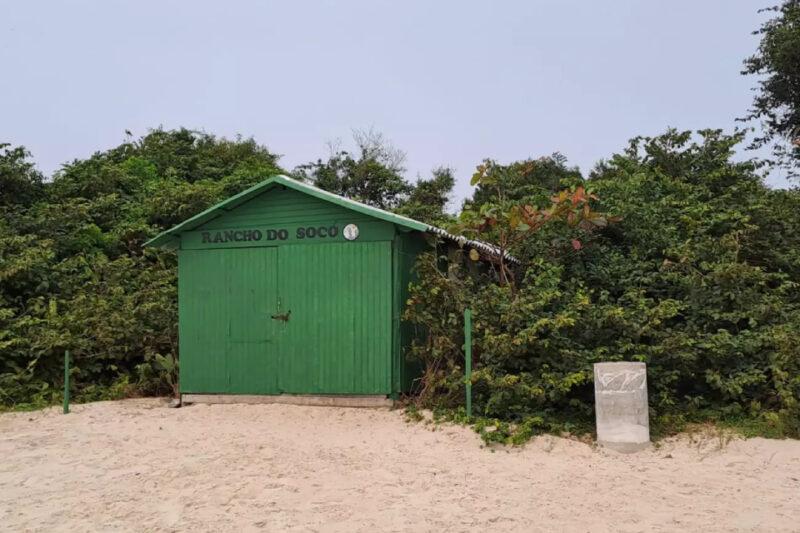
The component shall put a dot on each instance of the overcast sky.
(450, 83)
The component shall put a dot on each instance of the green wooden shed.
(287, 289)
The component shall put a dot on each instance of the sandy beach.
(136, 465)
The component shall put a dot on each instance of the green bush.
(73, 274)
(695, 274)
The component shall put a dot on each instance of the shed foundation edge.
(333, 400)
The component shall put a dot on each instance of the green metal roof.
(169, 237)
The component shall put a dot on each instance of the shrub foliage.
(73, 274)
(689, 263)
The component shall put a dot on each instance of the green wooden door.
(228, 340)
(203, 321)
(338, 338)
(252, 299)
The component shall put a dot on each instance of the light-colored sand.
(138, 466)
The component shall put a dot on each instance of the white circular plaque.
(351, 232)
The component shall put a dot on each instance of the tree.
(532, 179)
(511, 220)
(777, 102)
(373, 176)
(20, 182)
(428, 200)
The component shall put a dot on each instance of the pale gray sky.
(449, 82)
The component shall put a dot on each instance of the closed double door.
(300, 319)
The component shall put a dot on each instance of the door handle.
(284, 317)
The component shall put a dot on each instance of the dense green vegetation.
(677, 256)
(671, 252)
(777, 101)
(72, 270)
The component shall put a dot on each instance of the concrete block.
(620, 395)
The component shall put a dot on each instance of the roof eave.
(489, 250)
(171, 237)
(164, 238)
(212, 212)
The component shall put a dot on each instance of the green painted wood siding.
(338, 339)
(286, 206)
(228, 340)
(339, 296)
(408, 246)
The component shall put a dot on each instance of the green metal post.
(66, 382)
(468, 357)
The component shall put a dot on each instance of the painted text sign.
(313, 232)
(255, 235)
